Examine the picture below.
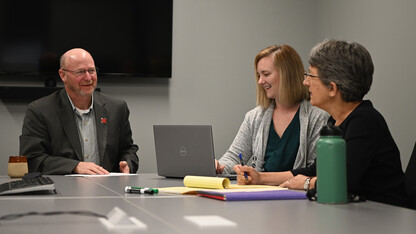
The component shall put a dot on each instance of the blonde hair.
(289, 65)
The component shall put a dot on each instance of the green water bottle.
(331, 166)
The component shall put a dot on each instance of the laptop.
(185, 150)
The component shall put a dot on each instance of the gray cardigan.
(251, 139)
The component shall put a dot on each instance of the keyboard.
(27, 185)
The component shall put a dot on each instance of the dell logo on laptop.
(183, 151)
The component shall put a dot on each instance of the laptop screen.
(184, 150)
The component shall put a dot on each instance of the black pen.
(242, 164)
(129, 189)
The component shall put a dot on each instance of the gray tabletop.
(165, 213)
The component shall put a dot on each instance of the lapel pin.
(103, 120)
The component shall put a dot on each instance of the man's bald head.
(73, 55)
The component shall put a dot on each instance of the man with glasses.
(78, 130)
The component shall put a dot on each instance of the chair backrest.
(411, 178)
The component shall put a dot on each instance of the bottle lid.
(331, 130)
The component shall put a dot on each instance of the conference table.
(167, 213)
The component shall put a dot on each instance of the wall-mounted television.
(130, 38)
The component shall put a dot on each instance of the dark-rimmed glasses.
(306, 74)
(81, 72)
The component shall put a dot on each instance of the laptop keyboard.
(27, 185)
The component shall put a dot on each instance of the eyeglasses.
(306, 74)
(81, 72)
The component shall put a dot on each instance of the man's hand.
(90, 168)
(124, 167)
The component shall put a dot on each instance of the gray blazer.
(251, 139)
(51, 141)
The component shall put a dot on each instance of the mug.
(17, 166)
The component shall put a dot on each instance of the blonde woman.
(281, 132)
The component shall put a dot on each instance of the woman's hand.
(218, 167)
(253, 176)
(296, 182)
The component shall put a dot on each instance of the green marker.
(154, 191)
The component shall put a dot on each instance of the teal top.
(281, 152)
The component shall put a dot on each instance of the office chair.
(410, 175)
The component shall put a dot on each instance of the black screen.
(125, 37)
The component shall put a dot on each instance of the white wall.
(214, 44)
